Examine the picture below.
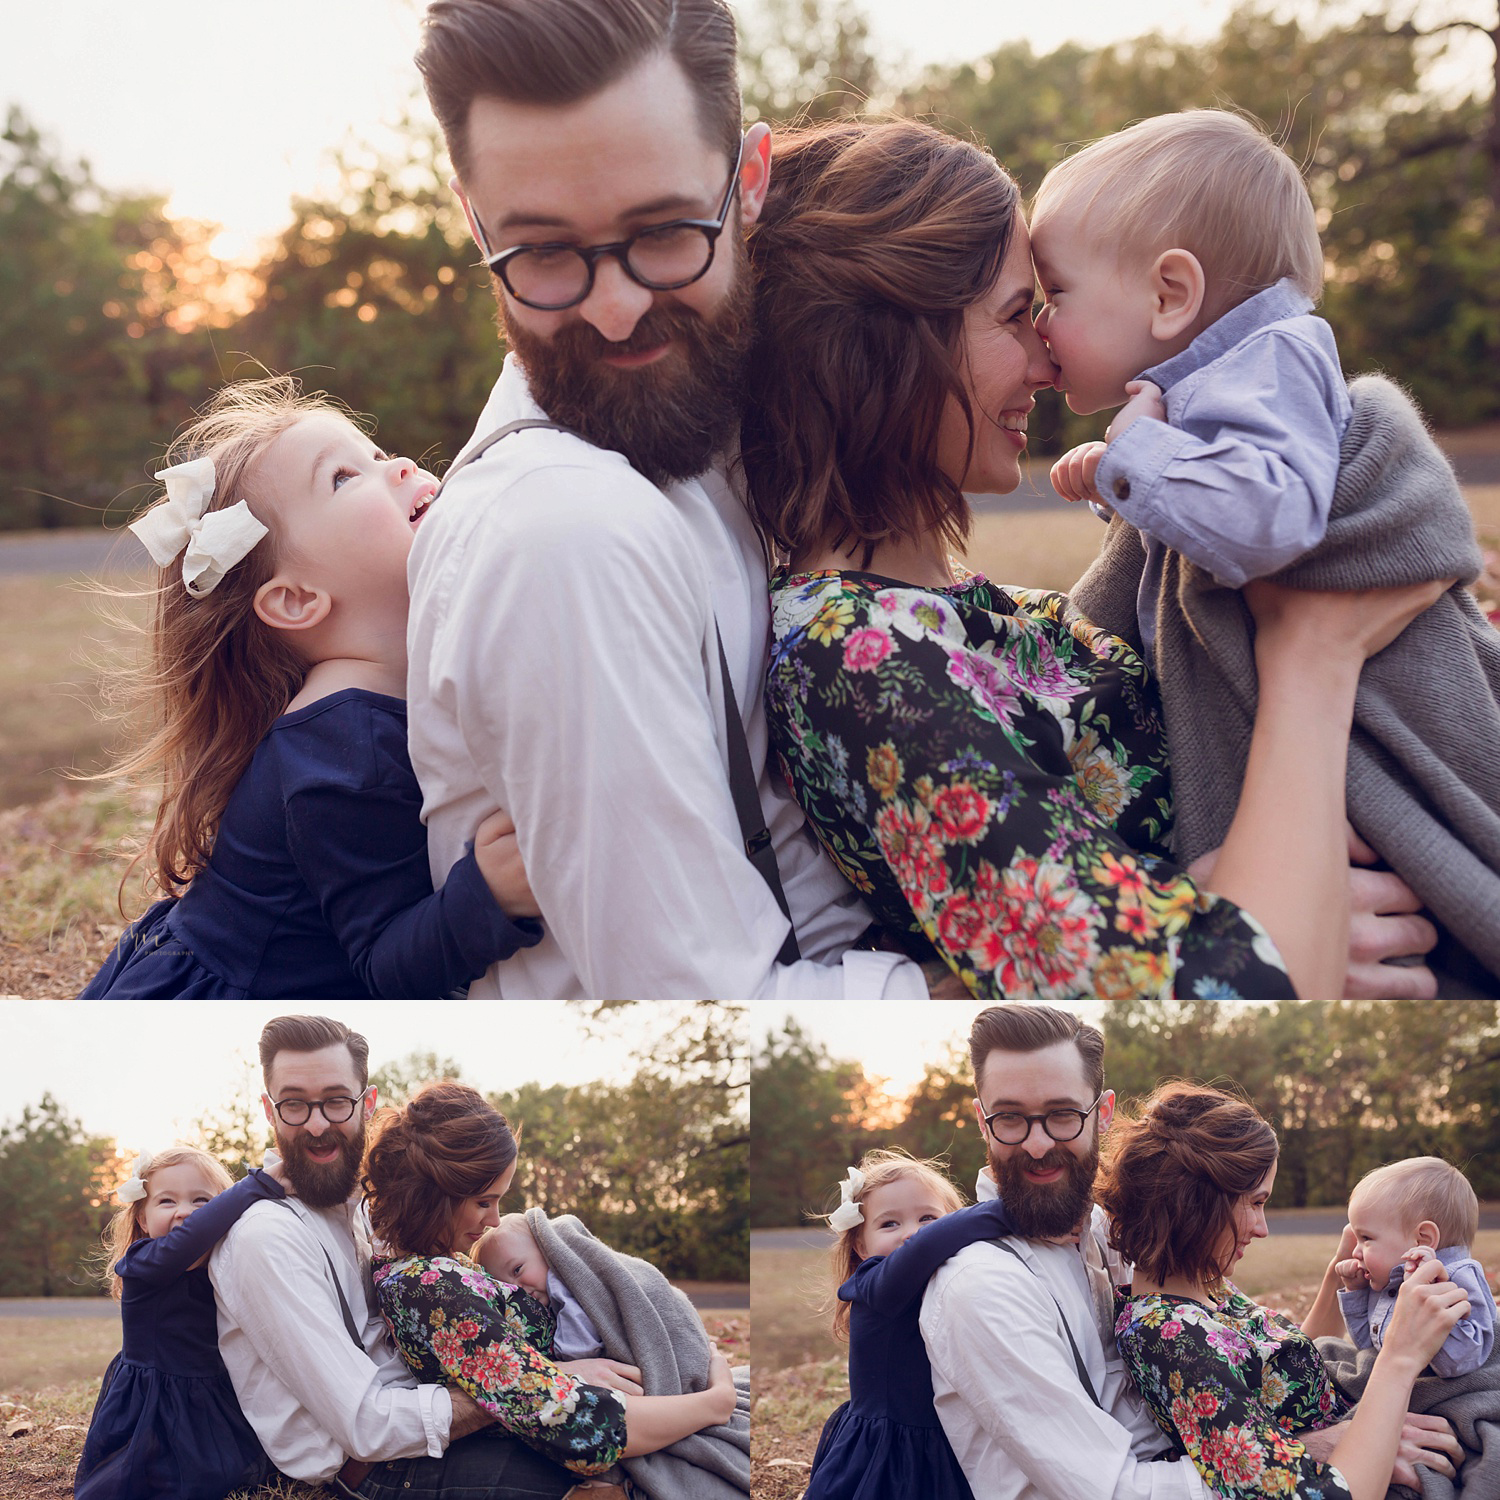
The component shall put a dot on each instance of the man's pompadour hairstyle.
(1029, 1028)
(311, 1034)
(561, 51)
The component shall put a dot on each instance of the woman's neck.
(919, 560)
(1172, 1286)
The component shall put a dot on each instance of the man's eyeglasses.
(338, 1109)
(661, 257)
(1010, 1129)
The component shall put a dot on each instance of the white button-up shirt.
(311, 1396)
(563, 667)
(1007, 1390)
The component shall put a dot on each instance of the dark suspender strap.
(337, 1285)
(487, 442)
(743, 786)
(743, 783)
(1078, 1365)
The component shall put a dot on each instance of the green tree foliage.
(55, 1181)
(1346, 1084)
(375, 297)
(805, 60)
(807, 1127)
(644, 1164)
(396, 1082)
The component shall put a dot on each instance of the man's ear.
(371, 1093)
(979, 1117)
(1428, 1234)
(755, 172)
(285, 604)
(463, 199)
(1106, 1110)
(1178, 287)
(265, 1104)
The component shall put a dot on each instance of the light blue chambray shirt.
(1240, 476)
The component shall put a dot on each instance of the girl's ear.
(285, 604)
(1178, 287)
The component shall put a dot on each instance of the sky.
(233, 106)
(893, 1040)
(143, 1071)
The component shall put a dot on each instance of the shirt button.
(1122, 488)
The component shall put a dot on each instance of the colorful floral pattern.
(989, 770)
(454, 1325)
(1231, 1386)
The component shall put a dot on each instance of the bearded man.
(316, 1374)
(1028, 1384)
(570, 588)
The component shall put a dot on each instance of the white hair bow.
(214, 542)
(849, 1214)
(133, 1189)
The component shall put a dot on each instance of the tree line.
(115, 321)
(656, 1165)
(1347, 1085)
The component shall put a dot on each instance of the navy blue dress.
(167, 1425)
(885, 1442)
(318, 885)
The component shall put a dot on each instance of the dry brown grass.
(52, 1369)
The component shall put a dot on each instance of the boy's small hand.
(1351, 1274)
(1419, 1255)
(1145, 401)
(499, 859)
(1073, 474)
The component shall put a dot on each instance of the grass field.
(51, 1371)
(801, 1371)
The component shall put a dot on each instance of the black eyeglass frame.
(1083, 1115)
(321, 1105)
(497, 261)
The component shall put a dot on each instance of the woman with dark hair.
(1232, 1384)
(434, 1174)
(985, 766)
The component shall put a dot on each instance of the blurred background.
(1347, 1085)
(194, 193)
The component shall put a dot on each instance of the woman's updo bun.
(1174, 1174)
(447, 1143)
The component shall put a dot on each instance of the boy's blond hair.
(1206, 181)
(1424, 1187)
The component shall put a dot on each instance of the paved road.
(1328, 1221)
(82, 551)
(709, 1297)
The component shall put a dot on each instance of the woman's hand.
(499, 857)
(1342, 625)
(610, 1373)
(720, 1387)
(1427, 1308)
(1145, 401)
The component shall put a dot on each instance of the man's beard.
(1047, 1210)
(322, 1184)
(671, 418)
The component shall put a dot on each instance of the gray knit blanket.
(1424, 755)
(644, 1320)
(1471, 1403)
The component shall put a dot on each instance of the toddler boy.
(510, 1253)
(1402, 1215)
(1180, 263)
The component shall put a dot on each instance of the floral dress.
(1230, 1386)
(989, 770)
(454, 1325)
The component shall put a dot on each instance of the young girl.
(885, 1442)
(167, 1425)
(289, 839)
